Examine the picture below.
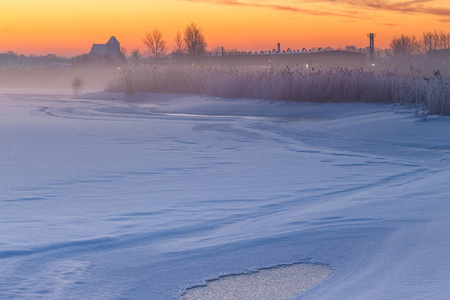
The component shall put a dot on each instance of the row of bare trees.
(192, 42)
(410, 45)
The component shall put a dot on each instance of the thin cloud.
(274, 7)
(412, 6)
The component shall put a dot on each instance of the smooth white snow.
(145, 197)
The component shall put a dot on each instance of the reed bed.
(299, 84)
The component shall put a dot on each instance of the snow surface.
(145, 196)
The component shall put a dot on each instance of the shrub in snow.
(77, 83)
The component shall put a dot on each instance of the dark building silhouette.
(111, 49)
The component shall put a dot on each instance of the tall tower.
(371, 36)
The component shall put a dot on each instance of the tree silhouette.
(77, 83)
(179, 45)
(155, 43)
(124, 52)
(135, 56)
(194, 40)
(404, 45)
(435, 41)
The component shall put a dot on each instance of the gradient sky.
(69, 27)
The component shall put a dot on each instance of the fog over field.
(324, 76)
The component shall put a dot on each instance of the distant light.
(269, 60)
(307, 66)
(118, 68)
(192, 63)
(373, 65)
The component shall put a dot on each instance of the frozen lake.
(104, 197)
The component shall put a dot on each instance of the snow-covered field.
(104, 197)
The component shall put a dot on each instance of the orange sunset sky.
(69, 27)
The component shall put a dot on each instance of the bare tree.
(351, 48)
(124, 52)
(404, 46)
(427, 41)
(179, 45)
(135, 55)
(435, 41)
(155, 43)
(194, 40)
(77, 83)
(445, 40)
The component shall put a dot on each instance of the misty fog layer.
(329, 76)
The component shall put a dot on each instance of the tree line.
(410, 45)
(191, 42)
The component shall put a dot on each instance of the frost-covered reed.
(437, 95)
(336, 85)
